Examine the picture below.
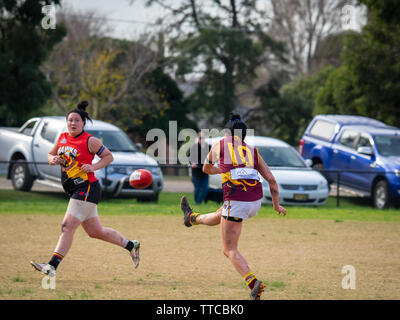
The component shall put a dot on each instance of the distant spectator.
(198, 153)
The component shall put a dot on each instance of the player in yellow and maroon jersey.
(239, 165)
(74, 152)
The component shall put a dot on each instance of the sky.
(136, 18)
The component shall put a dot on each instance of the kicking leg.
(191, 218)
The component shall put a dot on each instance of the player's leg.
(230, 232)
(231, 226)
(68, 228)
(94, 229)
(210, 219)
(191, 218)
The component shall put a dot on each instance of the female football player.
(74, 152)
(239, 165)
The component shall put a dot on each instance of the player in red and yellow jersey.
(240, 166)
(74, 152)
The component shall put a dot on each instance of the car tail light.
(301, 146)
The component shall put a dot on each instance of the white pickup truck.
(24, 152)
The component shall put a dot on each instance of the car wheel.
(20, 176)
(320, 167)
(380, 195)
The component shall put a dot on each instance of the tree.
(221, 45)
(24, 46)
(369, 81)
(122, 80)
(388, 11)
(303, 24)
(286, 109)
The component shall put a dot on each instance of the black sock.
(129, 245)
(56, 259)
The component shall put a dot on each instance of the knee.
(96, 233)
(229, 253)
(66, 228)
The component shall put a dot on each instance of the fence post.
(105, 183)
(337, 189)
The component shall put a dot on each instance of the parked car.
(32, 142)
(365, 152)
(298, 183)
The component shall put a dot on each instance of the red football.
(140, 179)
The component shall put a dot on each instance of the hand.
(56, 160)
(87, 168)
(280, 210)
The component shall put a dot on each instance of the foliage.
(121, 79)
(369, 81)
(287, 109)
(24, 45)
(222, 48)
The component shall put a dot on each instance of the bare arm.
(106, 156)
(273, 186)
(212, 157)
(52, 157)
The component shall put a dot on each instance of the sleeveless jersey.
(74, 151)
(237, 163)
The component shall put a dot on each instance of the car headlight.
(397, 172)
(156, 171)
(323, 184)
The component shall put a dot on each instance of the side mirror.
(139, 145)
(308, 163)
(365, 150)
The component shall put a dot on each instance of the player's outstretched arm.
(273, 186)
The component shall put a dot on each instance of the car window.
(388, 145)
(323, 129)
(281, 157)
(49, 131)
(115, 141)
(364, 141)
(348, 138)
(28, 129)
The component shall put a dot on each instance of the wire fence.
(339, 178)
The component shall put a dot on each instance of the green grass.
(18, 279)
(48, 203)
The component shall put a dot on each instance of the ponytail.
(236, 124)
(81, 110)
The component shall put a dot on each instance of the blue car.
(359, 153)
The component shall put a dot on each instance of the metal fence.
(335, 176)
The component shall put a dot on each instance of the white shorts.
(82, 210)
(232, 209)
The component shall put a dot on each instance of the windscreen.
(115, 141)
(281, 157)
(388, 145)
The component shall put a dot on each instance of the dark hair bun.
(83, 104)
(235, 117)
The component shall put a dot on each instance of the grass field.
(299, 256)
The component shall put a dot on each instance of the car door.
(362, 162)
(43, 141)
(341, 156)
